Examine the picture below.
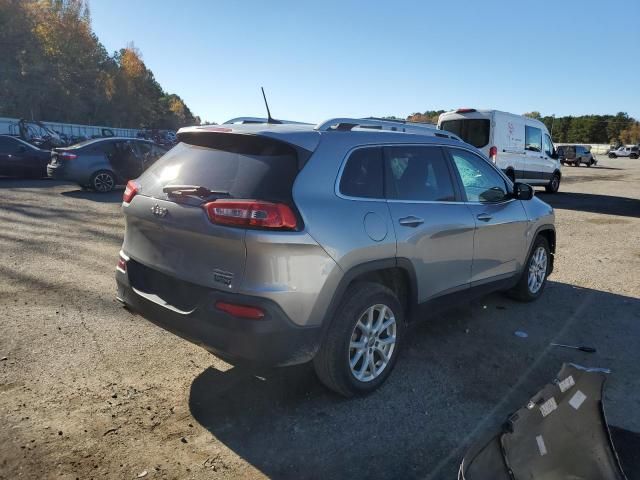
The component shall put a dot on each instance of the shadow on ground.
(589, 202)
(463, 371)
(114, 196)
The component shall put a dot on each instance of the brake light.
(241, 311)
(122, 265)
(67, 155)
(251, 213)
(493, 154)
(465, 110)
(130, 191)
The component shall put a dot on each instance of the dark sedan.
(21, 159)
(103, 163)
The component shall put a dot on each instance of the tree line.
(597, 129)
(53, 67)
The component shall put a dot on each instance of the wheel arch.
(547, 231)
(396, 274)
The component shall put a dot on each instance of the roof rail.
(401, 126)
(244, 120)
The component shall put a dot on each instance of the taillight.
(251, 213)
(122, 263)
(493, 154)
(241, 311)
(67, 155)
(130, 191)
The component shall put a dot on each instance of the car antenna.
(270, 119)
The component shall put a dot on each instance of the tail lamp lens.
(241, 311)
(130, 191)
(493, 154)
(251, 213)
(68, 155)
(122, 265)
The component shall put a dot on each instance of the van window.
(362, 175)
(474, 131)
(532, 139)
(418, 174)
(548, 145)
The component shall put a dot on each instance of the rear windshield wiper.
(193, 190)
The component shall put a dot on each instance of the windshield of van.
(474, 131)
(244, 167)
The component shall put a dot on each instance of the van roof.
(469, 112)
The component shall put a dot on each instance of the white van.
(518, 145)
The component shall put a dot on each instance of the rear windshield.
(474, 131)
(248, 167)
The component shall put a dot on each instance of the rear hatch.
(174, 232)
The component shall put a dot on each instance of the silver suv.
(282, 243)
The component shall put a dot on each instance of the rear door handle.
(411, 221)
(484, 217)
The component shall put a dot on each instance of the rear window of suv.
(245, 166)
(474, 131)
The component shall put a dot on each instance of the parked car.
(21, 159)
(572, 154)
(625, 151)
(520, 146)
(281, 244)
(103, 163)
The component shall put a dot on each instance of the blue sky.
(319, 59)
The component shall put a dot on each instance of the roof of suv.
(308, 136)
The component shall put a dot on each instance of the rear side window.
(244, 166)
(418, 174)
(362, 175)
(532, 139)
(474, 131)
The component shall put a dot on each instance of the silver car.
(282, 244)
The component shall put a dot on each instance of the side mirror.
(554, 155)
(522, 191)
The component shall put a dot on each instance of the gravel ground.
(88, 390)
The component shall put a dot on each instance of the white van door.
(508, 137)
(550, 163)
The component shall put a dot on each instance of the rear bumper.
(271, 341)
(56, 171)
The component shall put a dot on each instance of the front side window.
(417, 174)
(481, 182)
(532, 139)
(548, 145)
(362, 175)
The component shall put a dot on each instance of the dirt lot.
(88, 390)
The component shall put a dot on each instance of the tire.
(333, 361)
(576, 163)
(103, 181)
(591, 162)
(633, 157)
(612, 155)
(528, 290)
(554, 184)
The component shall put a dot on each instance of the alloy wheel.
(103, 182)
(373, 343)
(537, 269)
